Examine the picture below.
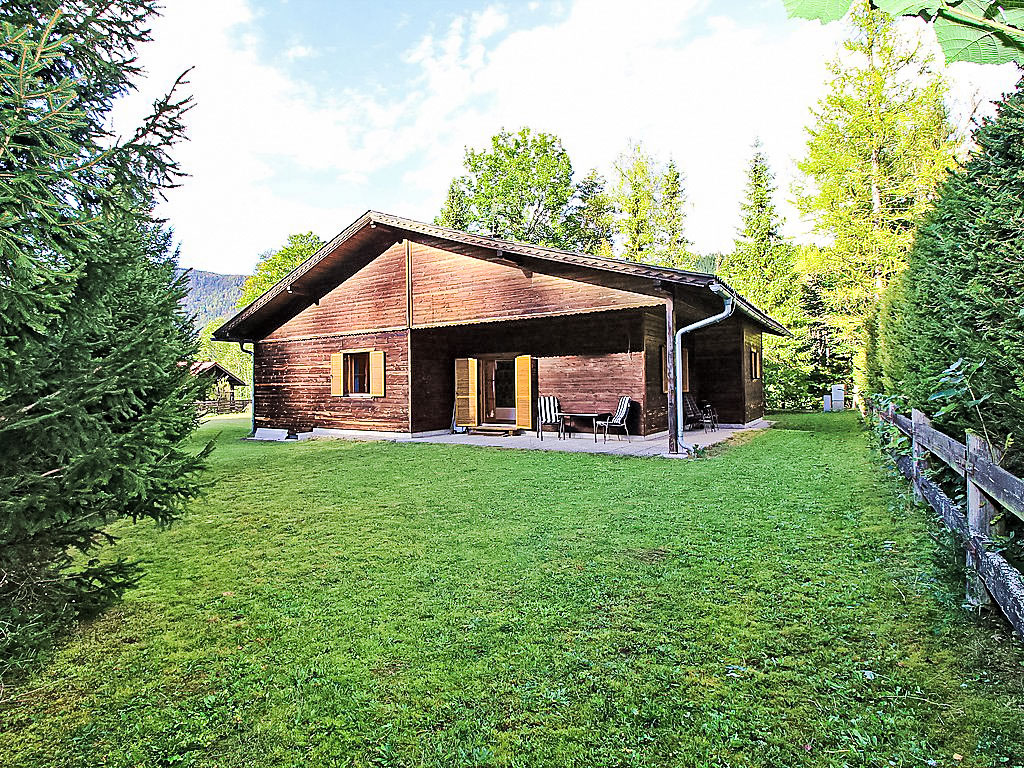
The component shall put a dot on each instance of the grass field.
(373, 604)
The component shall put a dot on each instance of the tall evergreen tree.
(591, 218)
(636, 198)
(274, 265)
(672, 246)
(762, 266)
(455, 213)
(879, 146)
(94, 404)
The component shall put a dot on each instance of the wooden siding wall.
(452, 288)
(754, 388)
(585, 337)
(595, 383)
(372, 299)
(293, 384)
(716, 369)
(611, 346)
(655, 397)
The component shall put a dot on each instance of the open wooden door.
(524, 392)
(466, 400)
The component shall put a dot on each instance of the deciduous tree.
(982, 31)
(879, 146)
(274, 265)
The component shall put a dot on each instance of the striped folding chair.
(549, 411)
(618, 419)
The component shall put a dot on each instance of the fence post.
(919, 454)
(981, 519)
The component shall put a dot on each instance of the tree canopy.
(982, 31)
(274, 265)
(879, 146)
(650, 216)
(523, 188)
(958, 303)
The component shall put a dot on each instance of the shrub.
(960, 296)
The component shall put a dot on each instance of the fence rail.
(992, 492)
(221, 406)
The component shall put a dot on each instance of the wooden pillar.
(981, 523)
(919, 453)
(670, 369)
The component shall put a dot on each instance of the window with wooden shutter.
(684, 369)
(524, 392)
(376, 374)
(466, 392)
(357, 373)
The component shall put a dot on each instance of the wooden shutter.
(338, 374)
(524, 392)
(376, 374)
(466, 392)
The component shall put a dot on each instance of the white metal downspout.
(252, 387)
(729, 306)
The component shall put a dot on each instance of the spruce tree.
(636, 200)
(589, 221)
(672, 246)
(762, 266)
(763, 263)
(455, 213)
(95, 406)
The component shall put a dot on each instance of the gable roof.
(216, 370)
(374, 232)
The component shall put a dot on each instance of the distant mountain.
(212, 295)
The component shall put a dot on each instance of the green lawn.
(373, 604)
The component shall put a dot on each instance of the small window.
(684, 368)
(664, 369)
(755, 363)
(357, 373)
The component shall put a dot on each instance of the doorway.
(499, 389)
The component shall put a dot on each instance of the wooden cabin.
(396, 326)
(220, 385)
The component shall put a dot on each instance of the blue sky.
(309, 112)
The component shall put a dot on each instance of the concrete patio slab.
(655, 445)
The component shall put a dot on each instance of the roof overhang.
(373, 233)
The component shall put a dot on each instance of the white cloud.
(270, 154)
(298, 52)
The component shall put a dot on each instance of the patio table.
(580, 415)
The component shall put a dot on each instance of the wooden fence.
(991, 494)
(223, 405)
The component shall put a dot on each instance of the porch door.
(499, 391)
(466, 398)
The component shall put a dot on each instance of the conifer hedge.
(962, 295)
